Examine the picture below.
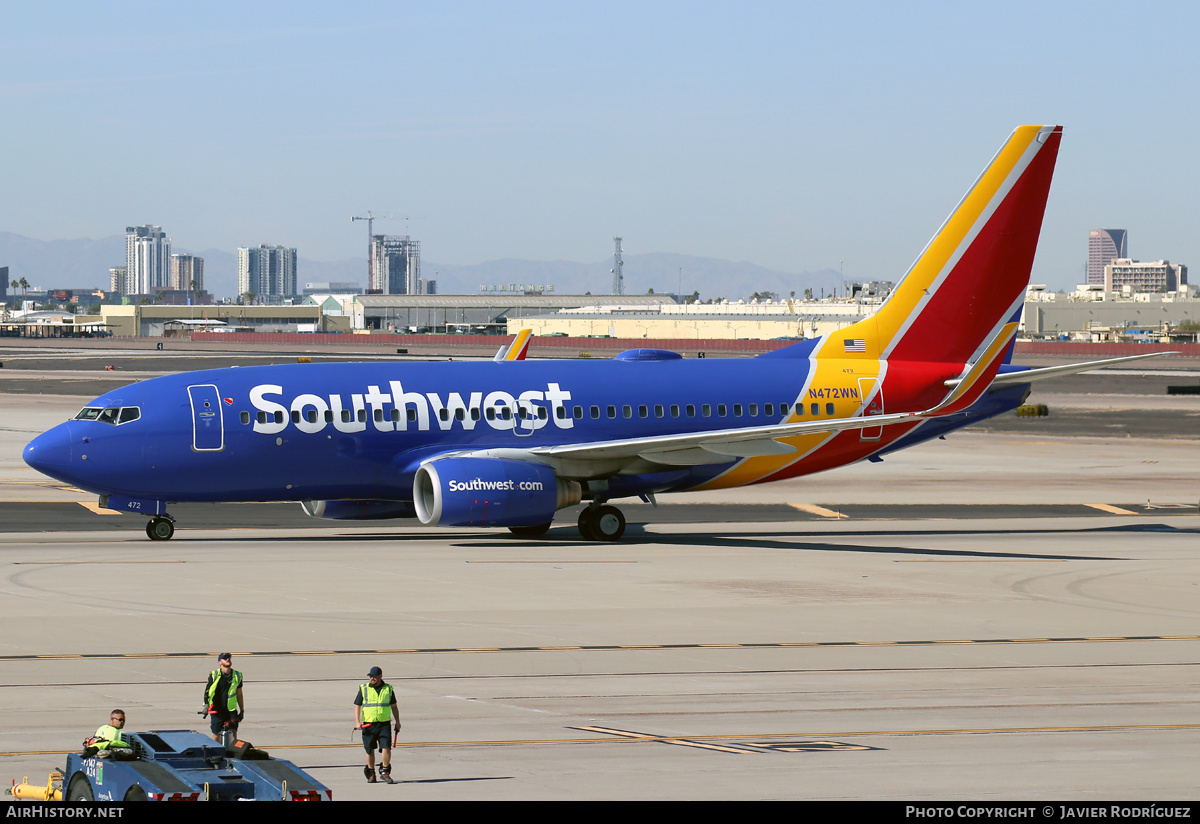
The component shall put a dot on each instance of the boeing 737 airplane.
(508, 442)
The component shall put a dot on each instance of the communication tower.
(618, 287)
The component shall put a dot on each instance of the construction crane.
(370, 219)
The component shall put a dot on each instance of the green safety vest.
(235, 684)
(109, 736)
(376, 703)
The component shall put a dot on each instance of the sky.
(792, 135)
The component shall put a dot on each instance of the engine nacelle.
(358, 510)
(490, 492)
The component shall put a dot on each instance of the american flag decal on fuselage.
(855, 345)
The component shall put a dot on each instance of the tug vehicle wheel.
(80, 789)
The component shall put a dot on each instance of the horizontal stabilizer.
(1044, 372)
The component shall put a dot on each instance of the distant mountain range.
(84, 263)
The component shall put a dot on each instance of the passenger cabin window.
(816, 409)
(828, 409)
(245, 417)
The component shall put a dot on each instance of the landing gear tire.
(603, 523)
(80, 790)
(530, 531)
(585, 525)
(160, 529)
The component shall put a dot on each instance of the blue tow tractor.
(179, 765)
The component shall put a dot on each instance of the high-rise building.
(187, 273)
(267, 271)
(117, 280)
(1105, 246)
(395, 265)
(147, 260)
(3, 284)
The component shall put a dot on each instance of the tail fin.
(971, 277)
(518, 349)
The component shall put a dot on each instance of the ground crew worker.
(374, 709)
(223, 699)
(109, 740)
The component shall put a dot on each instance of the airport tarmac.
(1003, 615)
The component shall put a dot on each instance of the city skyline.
(796, 137)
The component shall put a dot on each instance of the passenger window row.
(723, 410)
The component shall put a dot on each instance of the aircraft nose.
(50, 452)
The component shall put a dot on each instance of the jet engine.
(490, 492)
(358, 510)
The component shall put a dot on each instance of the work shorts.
(379, 733)
(217, 724)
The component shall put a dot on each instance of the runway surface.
(1001, 615)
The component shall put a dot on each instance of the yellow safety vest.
(235, 684)
(376, 703)
(109, 736)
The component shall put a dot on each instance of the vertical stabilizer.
(971, 277)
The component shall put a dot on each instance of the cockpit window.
(114, 415)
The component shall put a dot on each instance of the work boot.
(385, 773)
(370, 774)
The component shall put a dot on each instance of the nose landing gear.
(160, 528)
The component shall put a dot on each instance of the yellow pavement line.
(813, 509)
(93, 506)
(1115, 510)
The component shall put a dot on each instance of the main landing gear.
(160, 528)
(601, 523)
